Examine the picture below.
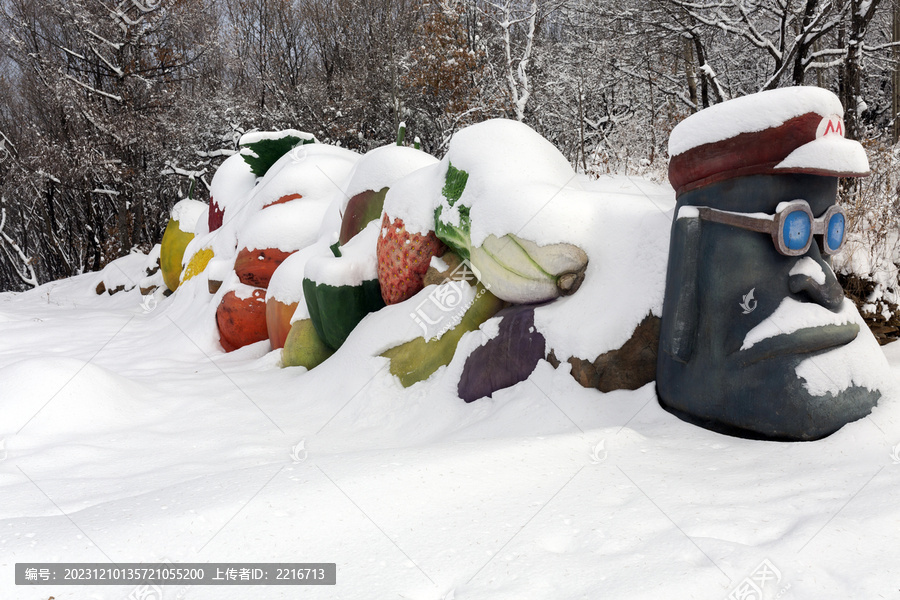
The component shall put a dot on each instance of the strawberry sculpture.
(403, 258)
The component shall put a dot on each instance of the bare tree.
(508, 17)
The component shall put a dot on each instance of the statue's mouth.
(802, 341)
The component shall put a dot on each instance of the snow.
(438, 264)
(315, 171)
(286, 285)
(831, 153)
(381, 167)
(859, 363)
(807, 266)
(872, 256)
(187, 213)
(256, 136)
(792, 315)
(752, 113)
(519, 183)
(197, 243)
(688, 212)
(242, 291)
(624, 228)
(509, 166)
(129, 436)
(491, 328)
(357, 263)
(218, 269)
(152, 257)
(331, 222)
(414, 198)
(438, 309)
(288, 226)
(864, 6)
(127, 270)
(231, 183)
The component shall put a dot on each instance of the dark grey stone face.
(703, 376)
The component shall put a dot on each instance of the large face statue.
(753, 312)
(740, 316)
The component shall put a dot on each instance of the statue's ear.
(680, 309)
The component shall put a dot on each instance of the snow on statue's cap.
(788, 130)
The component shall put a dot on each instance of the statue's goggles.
(792, 227)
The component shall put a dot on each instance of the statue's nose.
(829, 294)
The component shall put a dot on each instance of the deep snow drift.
(129, 436)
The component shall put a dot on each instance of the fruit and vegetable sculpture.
(342, 289)
(179, 233)
(282, 213)
(301, 241)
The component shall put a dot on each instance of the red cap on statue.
(788, 130)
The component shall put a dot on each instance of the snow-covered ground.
(127, 435)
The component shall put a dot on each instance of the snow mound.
(513, 174)
(415, 197)
(232, 183)
(43, 397)
(381, 167)
(288, 227)
(314, 171)
(358, 261)
(286, 285)
(187, 213)
(624, 229)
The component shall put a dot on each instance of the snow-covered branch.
(119, 73)
(113, 45)
(26, 270)
(91, 89)
(215, 153)
(171, 169)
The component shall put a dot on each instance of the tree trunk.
(895, 79)
(799, 73)
(690, 71)
(861, 13)
(704, 83)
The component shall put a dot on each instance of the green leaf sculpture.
(267, 151)
(454, 232)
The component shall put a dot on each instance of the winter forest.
(114, 110)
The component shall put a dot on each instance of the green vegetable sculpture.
(342, 289)
(336, 310)
(514, 269)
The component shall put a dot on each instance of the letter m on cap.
(830, 125)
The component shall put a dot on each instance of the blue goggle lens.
(834, 232)
(797, 229)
